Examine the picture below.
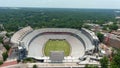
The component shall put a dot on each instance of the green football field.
(57, 45)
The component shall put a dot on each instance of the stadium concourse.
(33, 41)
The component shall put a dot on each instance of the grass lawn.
(57, 45)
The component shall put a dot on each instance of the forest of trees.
(14, 19)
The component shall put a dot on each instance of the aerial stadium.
(55, 44)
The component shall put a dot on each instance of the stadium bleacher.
(34, 40)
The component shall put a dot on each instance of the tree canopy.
(100, 36)
(104, 62)
(116, 60)
(14, 19)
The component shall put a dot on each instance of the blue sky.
(109, 4)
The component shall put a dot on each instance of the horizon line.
(61, 8)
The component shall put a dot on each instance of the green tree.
(7, 47)
(8, 35)
(91, 66)
(116, 60)
(105, 27)
(86, 26)
(28, 60)
(5, 56)
(104, 62)
(1, 39)
(35, 66)
(113, 27)
(1, 62)
(100, 36)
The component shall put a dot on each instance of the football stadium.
(55, 44)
